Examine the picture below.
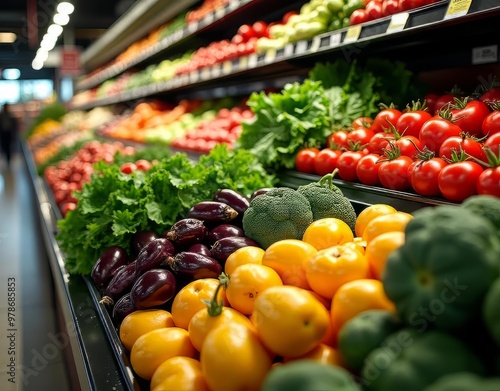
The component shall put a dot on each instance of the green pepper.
(351, 6)
(411, 361)
(335, 24)
(346, 22)
(440, 276)
(335, 5)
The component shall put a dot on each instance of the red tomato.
(489, 182)
(379, 142)
(260, 29)
(385, 119)
(424, 176)
(393, 174)
(326, 161)
(362, 122)
(390, 7)
(445, 100)
(491, 123)
(128, 168)
(430, 101)
(410, 123)
(468, 145)
(470, 116)
(347, 163)
(143, 165)
(374, 10)
(408, 146)
(367, 169)
(491, 96)
(360, 135)
(287, 16)
(457, 181)
(358, 16)
(246, 31)
(493, 142)
(304, 161)
(337, 140)
(435, 131)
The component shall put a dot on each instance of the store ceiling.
(89, 20)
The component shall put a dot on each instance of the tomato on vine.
(470, 145)
(367, 169)
(493, 142)
(326, 161)
(491, 123)
(304, 161)
(444, 101)
(379, 142)
(337, 140)
(469, 115)
(362, 122)
(385, 119)
(436, 130)
(348, 161)
(424, 174)
(361, 135)
(393, 171)
(411, 121)
(430, 101)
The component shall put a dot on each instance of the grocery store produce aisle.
(34, 343)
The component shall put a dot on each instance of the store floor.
(29, 336)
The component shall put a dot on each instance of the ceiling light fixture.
(37, 64)
(7, 37)
(55, 30)
(11, 74)
(47, 45)
(61, 19)
(65, 8)
(42, 55)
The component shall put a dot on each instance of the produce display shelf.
(95, 361)
(422, 25)
(229, 16)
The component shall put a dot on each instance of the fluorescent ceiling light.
(61, 19)
(37, 64)
(54, 30)
(47, 45)
(50, 38)
(7, 37)
(65, 8)
(11, 73)
(42, 55)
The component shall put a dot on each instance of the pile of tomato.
(451, 153)
(376, 9)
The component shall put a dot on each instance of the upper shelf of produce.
(396, 36)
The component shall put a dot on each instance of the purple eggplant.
(155, 287)
(107, 264)
(153, 254)
(140, 239)
(223, 231)
(186, 232)
(120, 284)
(213, 212)
(200, 249)
(194, 265)
(234, 199)
(122, 308)
(259, 192)
(224, 247)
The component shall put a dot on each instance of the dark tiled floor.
(23, 257)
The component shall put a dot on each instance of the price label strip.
(192, 27)
(288, 49)
(227, 66)
(353, 33)
(243, 64)
(205, 73)
(398, 22)
(335, 40)
(233, 5)
(457, 8)
(315, 44)
(252, 60)
(220, 13)
(216, 70)
(301, 47)
(270, 55)
(194, 76)
(209, 18)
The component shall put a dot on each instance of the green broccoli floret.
(327, 200)
(486, 206)
(281, 213)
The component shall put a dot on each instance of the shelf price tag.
(184, 79)
(315, 44)
(192, 27)
(335, 40)
(270, 55)
(209, 18)
(353, 33)
(227, 66)
(194, 76)
(252, 60)
(288, 50)
(205, 73)
(216, 70)
(398, 22)
(234, 4)
(301, 47)
(457, 8)
(176, 36)
(243, 64)
(220, 13)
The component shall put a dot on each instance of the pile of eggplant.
(159, 265)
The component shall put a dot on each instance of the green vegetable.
(464, 381)
(410, 361)
(335, 6)
(285, 122)
(281, 213)
(441, 274)
(351, 6)
(327, 200)
(363, 334)
(63, 154)
(308, 375)
(491, 311)
(486, 206)
(113, 206)
(53, 111)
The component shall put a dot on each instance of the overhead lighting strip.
(49, 40)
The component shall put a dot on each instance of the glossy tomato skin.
(326, 161)
(304, 161)
(458, 181)
(491, 123)
(435, 131)
(379, 141)
(491, 96)
(358, 16)
(384, 119)
(468, 145)
(424, 176)
(489, 182)
(444, 100)
(337, 140)
(367, 169)
(361, 135)
(470, 118)
(393, 174)
(347, 163)
(430, 101)
(493, 142)
(410, 123)
(408, 146)
(362, 122)
(374, 10)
